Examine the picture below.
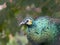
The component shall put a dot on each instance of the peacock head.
(27, 21)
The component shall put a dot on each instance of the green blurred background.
(12, 12)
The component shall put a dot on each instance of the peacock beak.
(21, 23)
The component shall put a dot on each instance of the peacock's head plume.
(27, 21)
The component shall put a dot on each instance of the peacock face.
(27, 21)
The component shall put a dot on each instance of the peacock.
(43, 30)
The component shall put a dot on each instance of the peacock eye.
(27, 21)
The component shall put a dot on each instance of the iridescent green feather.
(42, 29)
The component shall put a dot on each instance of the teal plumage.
(42, 30)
